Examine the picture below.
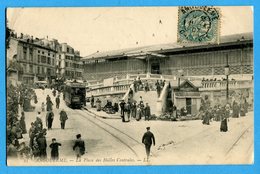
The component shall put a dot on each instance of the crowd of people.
(222, 112)
(139, 85)
(36, 148)
(133, 110)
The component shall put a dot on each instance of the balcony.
(222, 85)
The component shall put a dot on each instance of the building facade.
(42, 59)
(69, 65)
(169, 59)
(35, 57)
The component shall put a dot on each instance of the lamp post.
(227, 74)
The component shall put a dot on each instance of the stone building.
(168, 59)
(69, 65)
(36, 57)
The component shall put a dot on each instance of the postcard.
(129, 86)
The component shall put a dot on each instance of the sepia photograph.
(129, 86)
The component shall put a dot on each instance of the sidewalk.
(102, 114)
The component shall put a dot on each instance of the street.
(111, 142)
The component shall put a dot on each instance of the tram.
(74, 94)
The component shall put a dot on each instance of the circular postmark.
(198, 25)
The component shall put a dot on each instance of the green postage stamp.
(198, 25)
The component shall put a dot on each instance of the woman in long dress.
(223, 125)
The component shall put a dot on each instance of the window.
(24, 55)
(39, 59)
(52, 61)
(48, 71)
(43, 59)
(59, 56)
(49, 60)
(31, 56)
(38, 70)
(43, 70)
(66, 64)
(42, 52)
(39, 51)
(24, 68)
(31, 68)
(24, 52)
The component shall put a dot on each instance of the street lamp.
(227, 74)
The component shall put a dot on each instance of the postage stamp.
(198, 25)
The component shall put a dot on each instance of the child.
(43, 107)
(54, 149)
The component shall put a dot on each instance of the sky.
(92, 29)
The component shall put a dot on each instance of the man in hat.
(122, 108)
(79, 146)
(148, 139)
(147, 112)
(54, 149)
(57, 101)
(63, 118)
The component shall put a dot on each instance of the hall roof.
(157, 50)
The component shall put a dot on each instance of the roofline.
(37, 45)
(194, 47)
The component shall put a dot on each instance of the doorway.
(155, 68)
(188, 105)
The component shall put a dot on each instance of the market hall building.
(168, 59)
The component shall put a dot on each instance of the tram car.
(75, 94)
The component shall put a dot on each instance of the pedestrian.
(49, 105)
(133, 110)
(147, 112)
(224, 117)
(223, 125)
(122, 108)
(116, 108)
(158, 89)
(236, 110)
(48, 98)
(98, 103)
(131, 93)
(79, 147)
(140, 99)
(38, 122)
(92, 100)
(135, 85)
(24, 151)
(54, 149)
(63, 118)
(57, 102)
(148, 139)
(138, 113)
(22, 124)
(141, 112)
(31, 134)
(127, 110)
(42, 145)
(43, 107)
(146, 86)
(206, 117)
(12, 150)
(139, 84)
(50, 118)
(54, 92)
